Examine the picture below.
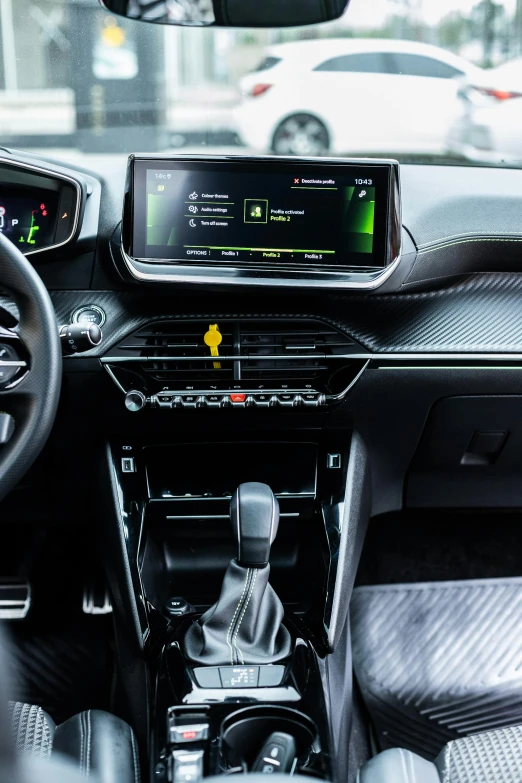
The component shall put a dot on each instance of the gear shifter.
(244, 626)
(255, 519)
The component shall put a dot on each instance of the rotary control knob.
(135, 400)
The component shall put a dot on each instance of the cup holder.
(244, 732)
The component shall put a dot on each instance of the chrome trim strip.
(221, 516)
(283, 495)
(371, 357)
(234, 276)
(52, 175)
(116, 381)
(238, 357)
(342, 395)
(491, 357)
(413, 357)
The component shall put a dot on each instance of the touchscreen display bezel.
(379, 171)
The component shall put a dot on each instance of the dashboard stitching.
(464, 242)
(467, 234)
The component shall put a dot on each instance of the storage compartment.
(244, 732)
(470, 455)
(210, 470)
(188, 517)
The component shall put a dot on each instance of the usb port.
(127, 465)
(333, 461)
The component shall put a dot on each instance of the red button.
(238, 397)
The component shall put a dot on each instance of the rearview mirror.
(229, 13)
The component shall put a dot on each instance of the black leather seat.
(490, 757)
(100, 744)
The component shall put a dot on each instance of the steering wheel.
(30, 388)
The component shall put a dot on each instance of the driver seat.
(489, 757)
(100, 745)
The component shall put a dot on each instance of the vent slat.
(298, 350)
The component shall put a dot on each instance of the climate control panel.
(136, 400)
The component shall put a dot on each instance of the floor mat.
(438, 660)
(64, 671)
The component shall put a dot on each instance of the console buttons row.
(241, 400)
(268, 676)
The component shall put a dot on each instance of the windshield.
(433, 81)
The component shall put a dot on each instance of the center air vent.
(175, 350)
(287, 350)
(269, 353)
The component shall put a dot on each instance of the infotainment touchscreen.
(260, 212)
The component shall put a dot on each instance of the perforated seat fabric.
(100, 745)
(490, 757)
(32, 729)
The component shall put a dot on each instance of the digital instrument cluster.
(37, 211)
(28, 219)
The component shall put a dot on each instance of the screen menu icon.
(256, 210)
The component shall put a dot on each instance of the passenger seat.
(491, 757)
(100, 744)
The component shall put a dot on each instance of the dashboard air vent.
(177, 350)
(285, 350)
(252, 353)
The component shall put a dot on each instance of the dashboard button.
(7, 371)
(262, 400)
(207, 677)
(164, 401)
(270, 676)
(89, 314)
(311, 400)
(189, 401)
(214, 400)
(286, 400)
(239, 676)
(190, 732)
(237, 397)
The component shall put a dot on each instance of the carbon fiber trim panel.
(482, 314)
(439, 661)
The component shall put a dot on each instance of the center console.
(236, 498)
(238, 558)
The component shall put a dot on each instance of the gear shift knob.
(254, 511)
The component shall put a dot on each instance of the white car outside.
(349, 95)
(488, 128)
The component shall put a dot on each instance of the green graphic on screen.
(359, 218)
(160, 230)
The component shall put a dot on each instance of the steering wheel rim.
(33, 402)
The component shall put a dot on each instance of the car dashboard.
(368, 361)
(381, 347)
